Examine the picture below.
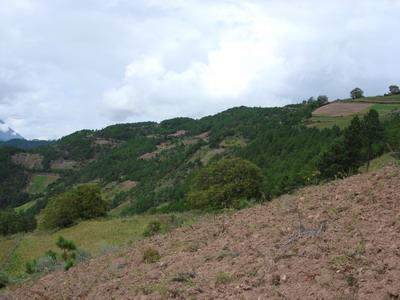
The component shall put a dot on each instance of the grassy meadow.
(95, 236)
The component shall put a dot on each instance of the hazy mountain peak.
(6, 133)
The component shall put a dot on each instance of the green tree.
(372, 133)
(394, 89)
(356, 93)
(344, 155)
(223, 183)
(83, 202)
(68, 255)
(322, 99)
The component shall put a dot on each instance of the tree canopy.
(221, 184)
(356, 93)
(83, 202)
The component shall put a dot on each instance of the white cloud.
(4, 128)
(68, 65)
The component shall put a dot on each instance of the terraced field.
(340, 113)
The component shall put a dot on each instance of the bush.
(3, 280)
(225, 183)
(47, 264)
(84, 202)
(152, 228)
(31, 267)
(12, 222)
(151, 255)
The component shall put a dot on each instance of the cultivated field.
(341, 113)
(337, 109)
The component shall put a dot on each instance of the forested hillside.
(150, 166)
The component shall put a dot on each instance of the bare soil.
(62, 164)
(28, 160)
(341, 109)
(340, 240)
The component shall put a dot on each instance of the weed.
(223, 278)
(184, 277)
(151, 255)
(152, 228)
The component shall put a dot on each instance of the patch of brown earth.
(62, 164)
(127, 185)
(105, 142)
(178, 133)
(148, 156)
(341, 109)
(28, 160)
(160, 147)
(340, 240)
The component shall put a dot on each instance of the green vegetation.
(152, 228)
(224, 183)
(68, 255)
(361, 141)
(12, 222)
(82, 203)
(39, 183)
(224, 160)
(93, 237)
(3, 280)
(151, 255)
(13, 180)
(356, 93)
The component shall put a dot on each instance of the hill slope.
(340, 240)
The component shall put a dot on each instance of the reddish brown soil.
(341, 109)
(336, 241)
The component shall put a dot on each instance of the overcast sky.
(67, 65)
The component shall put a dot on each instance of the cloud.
(4, 128)
(68, 65)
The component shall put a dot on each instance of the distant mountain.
(24, 144)
(6, 133)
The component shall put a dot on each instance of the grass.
(39, 183)
(378, 162)
(25, 206)
(384, 110)
(7, 245)
(88, 235)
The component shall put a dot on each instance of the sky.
(68, 65)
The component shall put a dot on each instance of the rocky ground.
(340, 240)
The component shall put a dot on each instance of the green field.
(95, 236)
(39, 183)
(384, 110)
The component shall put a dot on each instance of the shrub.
(47, 264)
(152, 228)
(84, 202)
(31, 267)
(223, 183)
(151, 255)
(3, 280)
